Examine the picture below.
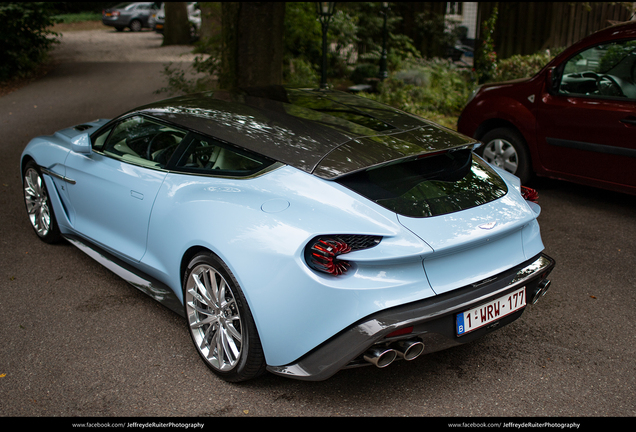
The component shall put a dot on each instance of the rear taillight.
(530, 194)
(323, 252)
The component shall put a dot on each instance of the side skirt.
(144, 283)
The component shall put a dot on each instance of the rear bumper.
(433, 322)
(114, 22)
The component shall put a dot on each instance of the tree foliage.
(355, 36)
(25, 40)
(486, 59)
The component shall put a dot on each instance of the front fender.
(509, 110)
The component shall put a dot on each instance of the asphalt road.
(78, 341)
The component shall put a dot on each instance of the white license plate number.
(492, 311)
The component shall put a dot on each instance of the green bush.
(363, 71)
(298, 72)
(427, 86)
(521, 66)
(24, 38)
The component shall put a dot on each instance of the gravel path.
(106, 45)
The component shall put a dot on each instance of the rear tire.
(506, 148)
(135, 26)
(220, 322)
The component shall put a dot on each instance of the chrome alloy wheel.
(37, 202)
(503, 154)
(214, 318)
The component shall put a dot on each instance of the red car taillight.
(530, 194)
(400, 332)
(322, 253)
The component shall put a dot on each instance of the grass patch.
(78, 17)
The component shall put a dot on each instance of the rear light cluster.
(322, 253)
(530, 194)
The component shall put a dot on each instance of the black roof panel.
(328, 133)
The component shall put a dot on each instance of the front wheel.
(506, 148)
(38, 204)
(220, 322)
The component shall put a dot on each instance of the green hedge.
(24, 38)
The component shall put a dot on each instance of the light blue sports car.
(298, 231)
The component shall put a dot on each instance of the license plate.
(492, 311)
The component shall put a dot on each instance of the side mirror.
(552, 81)
(81, 144)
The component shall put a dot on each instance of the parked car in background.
(157, 19)
(297, 231)
(575, 120)
(135, 16)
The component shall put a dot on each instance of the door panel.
(112, 201)
(588, 138)
(588, 129)
(116, 184)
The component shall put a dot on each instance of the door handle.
(629, 121)
(137, 195)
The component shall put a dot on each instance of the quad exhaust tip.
(544, 286)
(381, 357)
(409, 349)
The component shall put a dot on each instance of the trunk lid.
(474, 244)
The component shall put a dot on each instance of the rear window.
(431, 185)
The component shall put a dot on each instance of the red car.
(575, 120)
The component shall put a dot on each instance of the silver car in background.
(135, 16)
(158, 17)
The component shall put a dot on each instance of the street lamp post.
(383, 72)
(325, 11)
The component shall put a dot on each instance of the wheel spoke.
(212, 288)
(489, 153)
(210, 320)
(230, 350)
(510, 166)
(201, 311)
(200, 291)
(206, 341)
(233, 331)
(509, 153)
(497, 144)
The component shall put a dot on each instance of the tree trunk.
(252, 44)
(176, 29)
(210, 20)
